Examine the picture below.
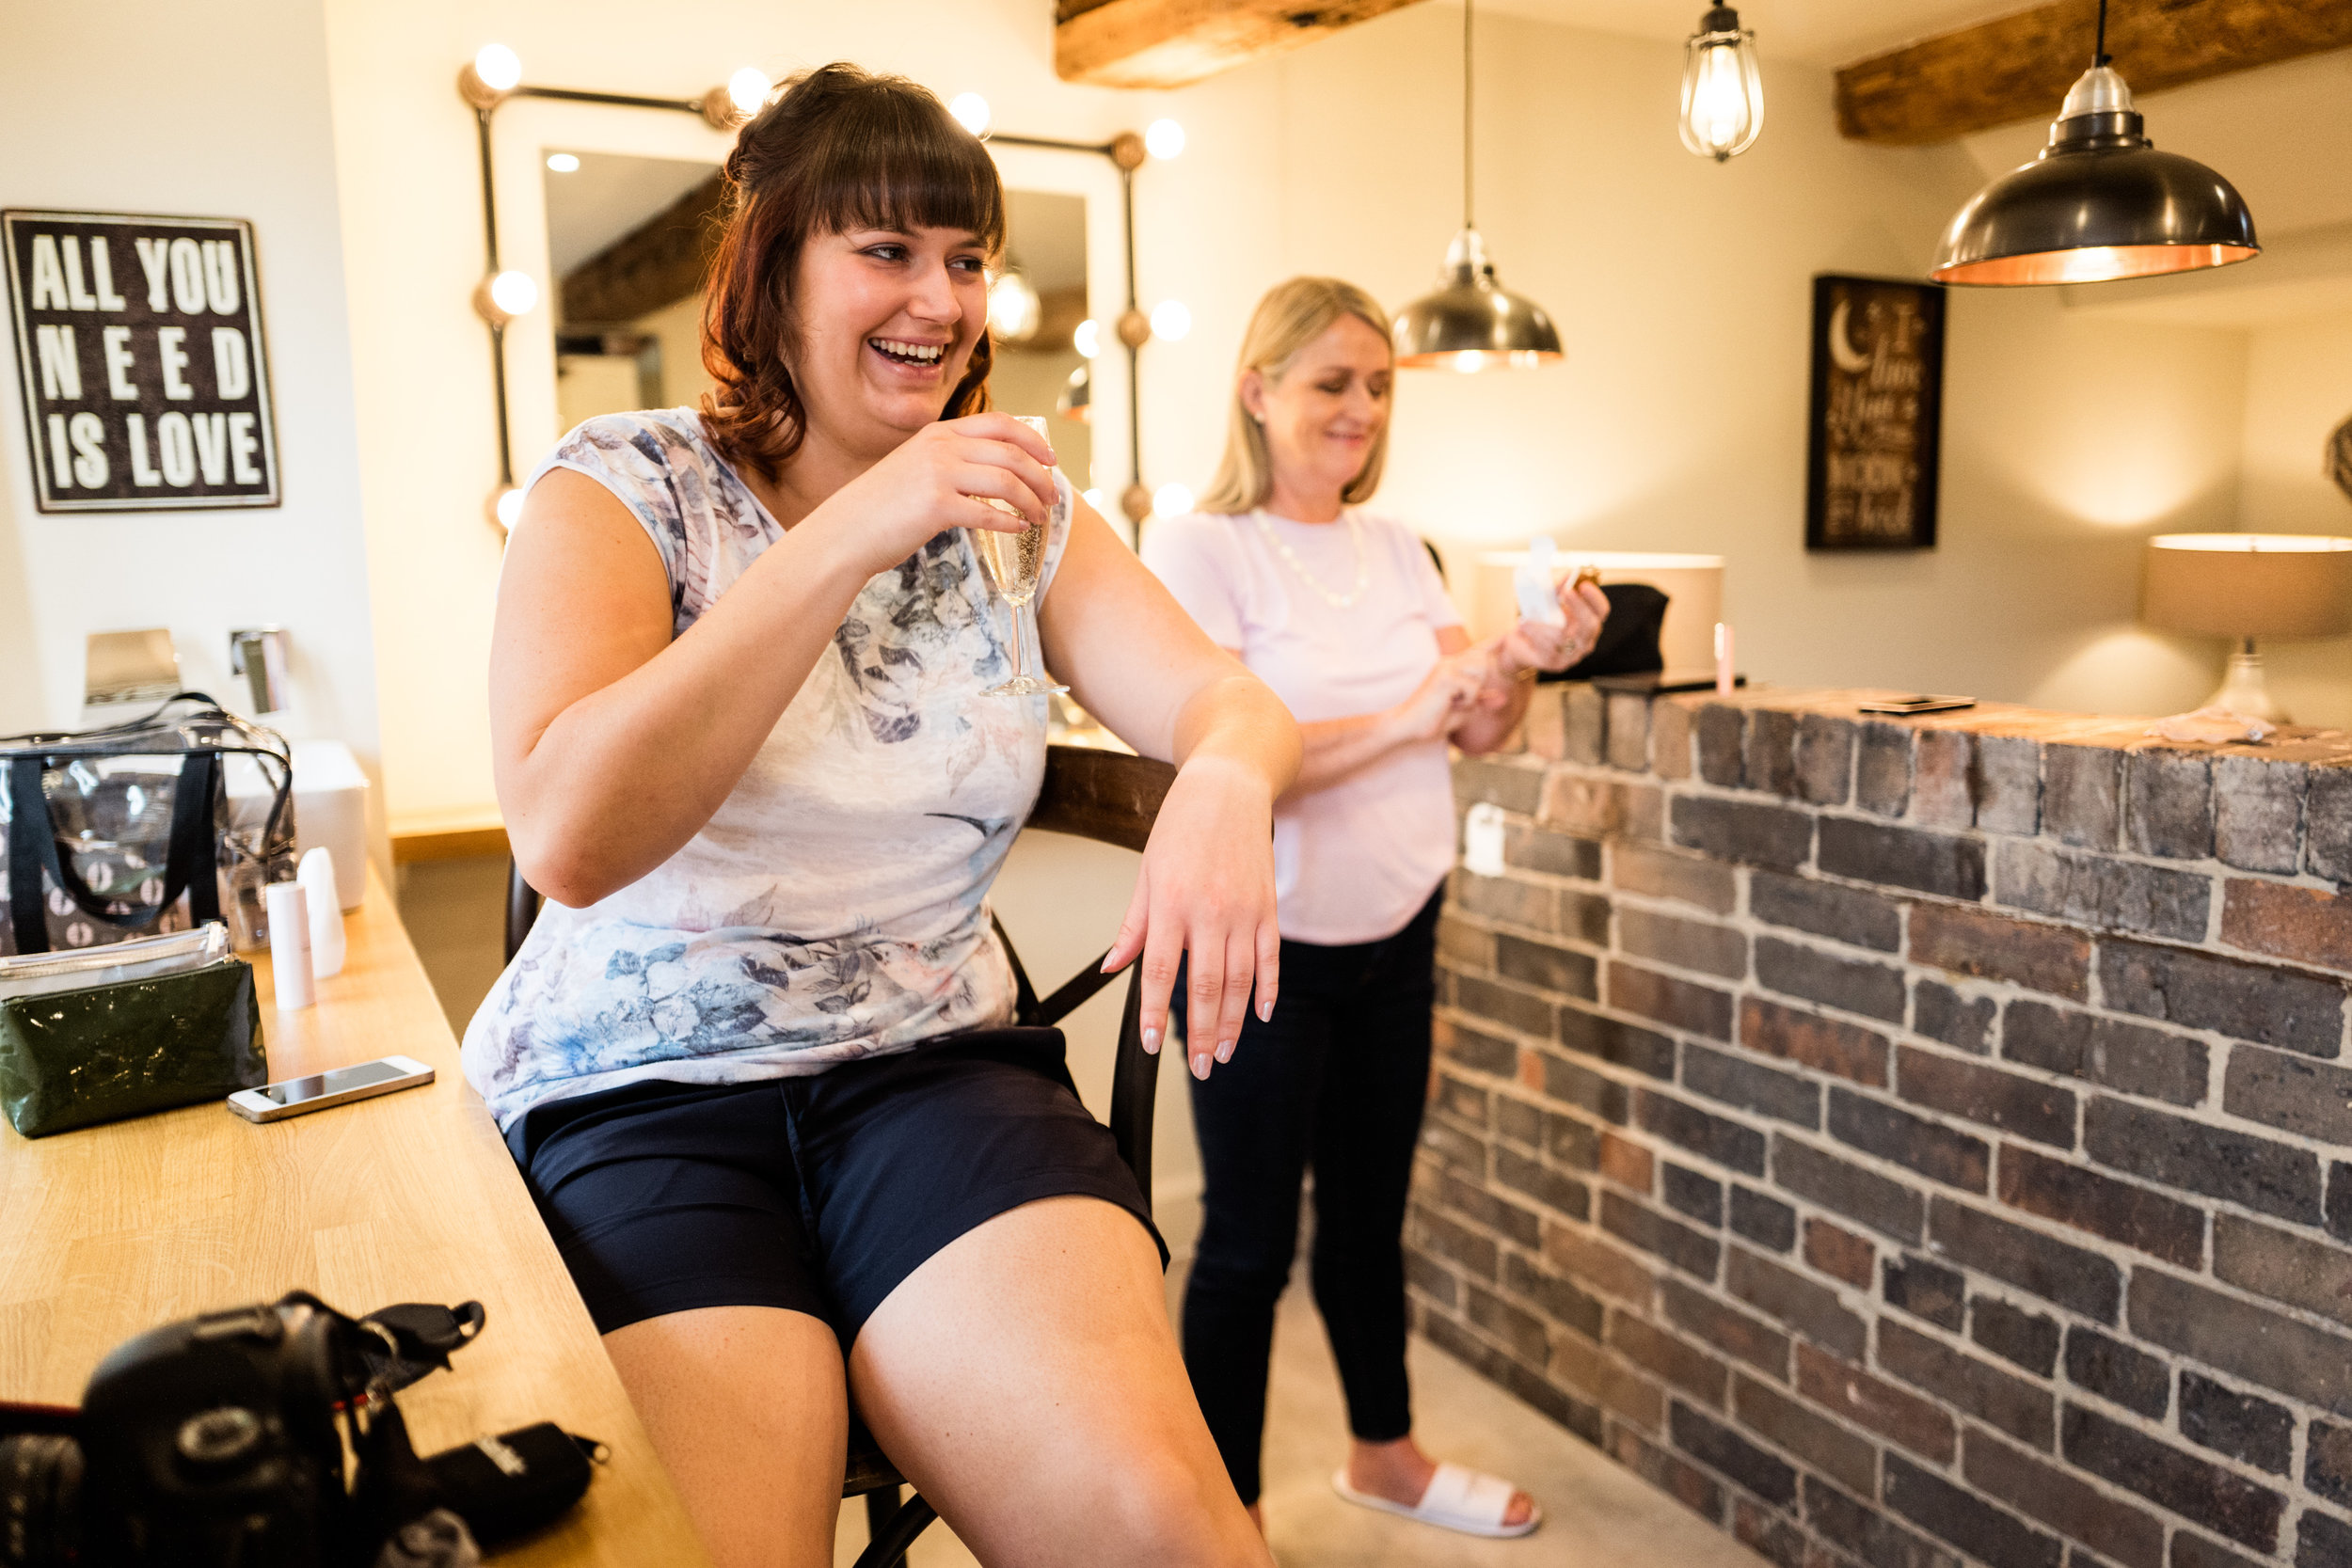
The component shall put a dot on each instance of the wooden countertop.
(110, 1231)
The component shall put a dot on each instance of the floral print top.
(835, 905)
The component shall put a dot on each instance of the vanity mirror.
(629, 238)
(628, 245)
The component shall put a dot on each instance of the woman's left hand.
(1207, 891)
(1531, 646)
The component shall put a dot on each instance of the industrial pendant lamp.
(2099, 202)
(1723, 95)
(1473, 322)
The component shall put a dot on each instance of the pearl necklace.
(1363, 564)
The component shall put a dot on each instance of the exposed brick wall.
(1910, 1143)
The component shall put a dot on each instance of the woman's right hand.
(937, 479)
(1445, 694)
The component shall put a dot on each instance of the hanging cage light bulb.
(1473, 322)
(1722, 95)
(2099, 203)
(1014, 310)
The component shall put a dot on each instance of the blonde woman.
(1341, 612)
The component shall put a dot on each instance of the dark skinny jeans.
(1337, 1080)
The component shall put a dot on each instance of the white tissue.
(2215, 725)
(1539, 601)
(317, 876)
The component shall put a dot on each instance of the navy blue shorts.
(817, 1194)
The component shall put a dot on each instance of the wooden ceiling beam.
(663, 259)
(1168, 43)
(2019, 67)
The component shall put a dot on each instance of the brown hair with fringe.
(841, 149)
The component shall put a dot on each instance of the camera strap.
(404, 1343)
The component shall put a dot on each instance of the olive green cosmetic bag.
(72, 1057)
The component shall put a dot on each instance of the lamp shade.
(2099, 202)
(1473, 322)
(2248, 584)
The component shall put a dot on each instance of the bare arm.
(1135, 661)
(612, 744)
(1336, 748)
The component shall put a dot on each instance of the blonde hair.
(1291, 316)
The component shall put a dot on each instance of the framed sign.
(1877, 415)
(139, 343)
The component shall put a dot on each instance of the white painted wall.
(218, 110)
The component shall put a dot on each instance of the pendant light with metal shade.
(1473, 322)
(2099, 202)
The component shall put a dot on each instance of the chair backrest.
(1109, 796)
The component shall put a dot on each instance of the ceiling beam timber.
(1168, 43)
(661, 260)
(2019, 67)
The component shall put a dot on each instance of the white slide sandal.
(1457, 1499)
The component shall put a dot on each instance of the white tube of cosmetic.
(290, 946)
(317, 877)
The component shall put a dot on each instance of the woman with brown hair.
(1341, 612)
(751, 1058)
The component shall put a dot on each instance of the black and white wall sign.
(139, 342)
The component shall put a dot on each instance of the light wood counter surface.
(110, 1231)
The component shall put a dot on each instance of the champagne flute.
(1014, 563)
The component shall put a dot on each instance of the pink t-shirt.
(1354, 862)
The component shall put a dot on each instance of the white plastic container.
(290, 948)
(317, 876)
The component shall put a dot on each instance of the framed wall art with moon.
(1876, 415)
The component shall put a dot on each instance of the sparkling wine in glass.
(1015, 562)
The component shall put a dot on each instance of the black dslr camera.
(267, 1437)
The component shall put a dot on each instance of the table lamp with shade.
(2244, 586)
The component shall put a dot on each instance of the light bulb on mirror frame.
(1170, 320)
(1076, 400)
(505, 507)
(500, 297)
(492, 74)
(748, 88)
(1087, 338)
(562, 163)
(1172, 501)
(1163, 138)
(1723, 94)
(499, 67)
(971, 112)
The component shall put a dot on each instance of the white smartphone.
(337, 1086)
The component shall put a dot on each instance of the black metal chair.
(1110, 797)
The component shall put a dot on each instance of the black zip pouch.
(73, 1058)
